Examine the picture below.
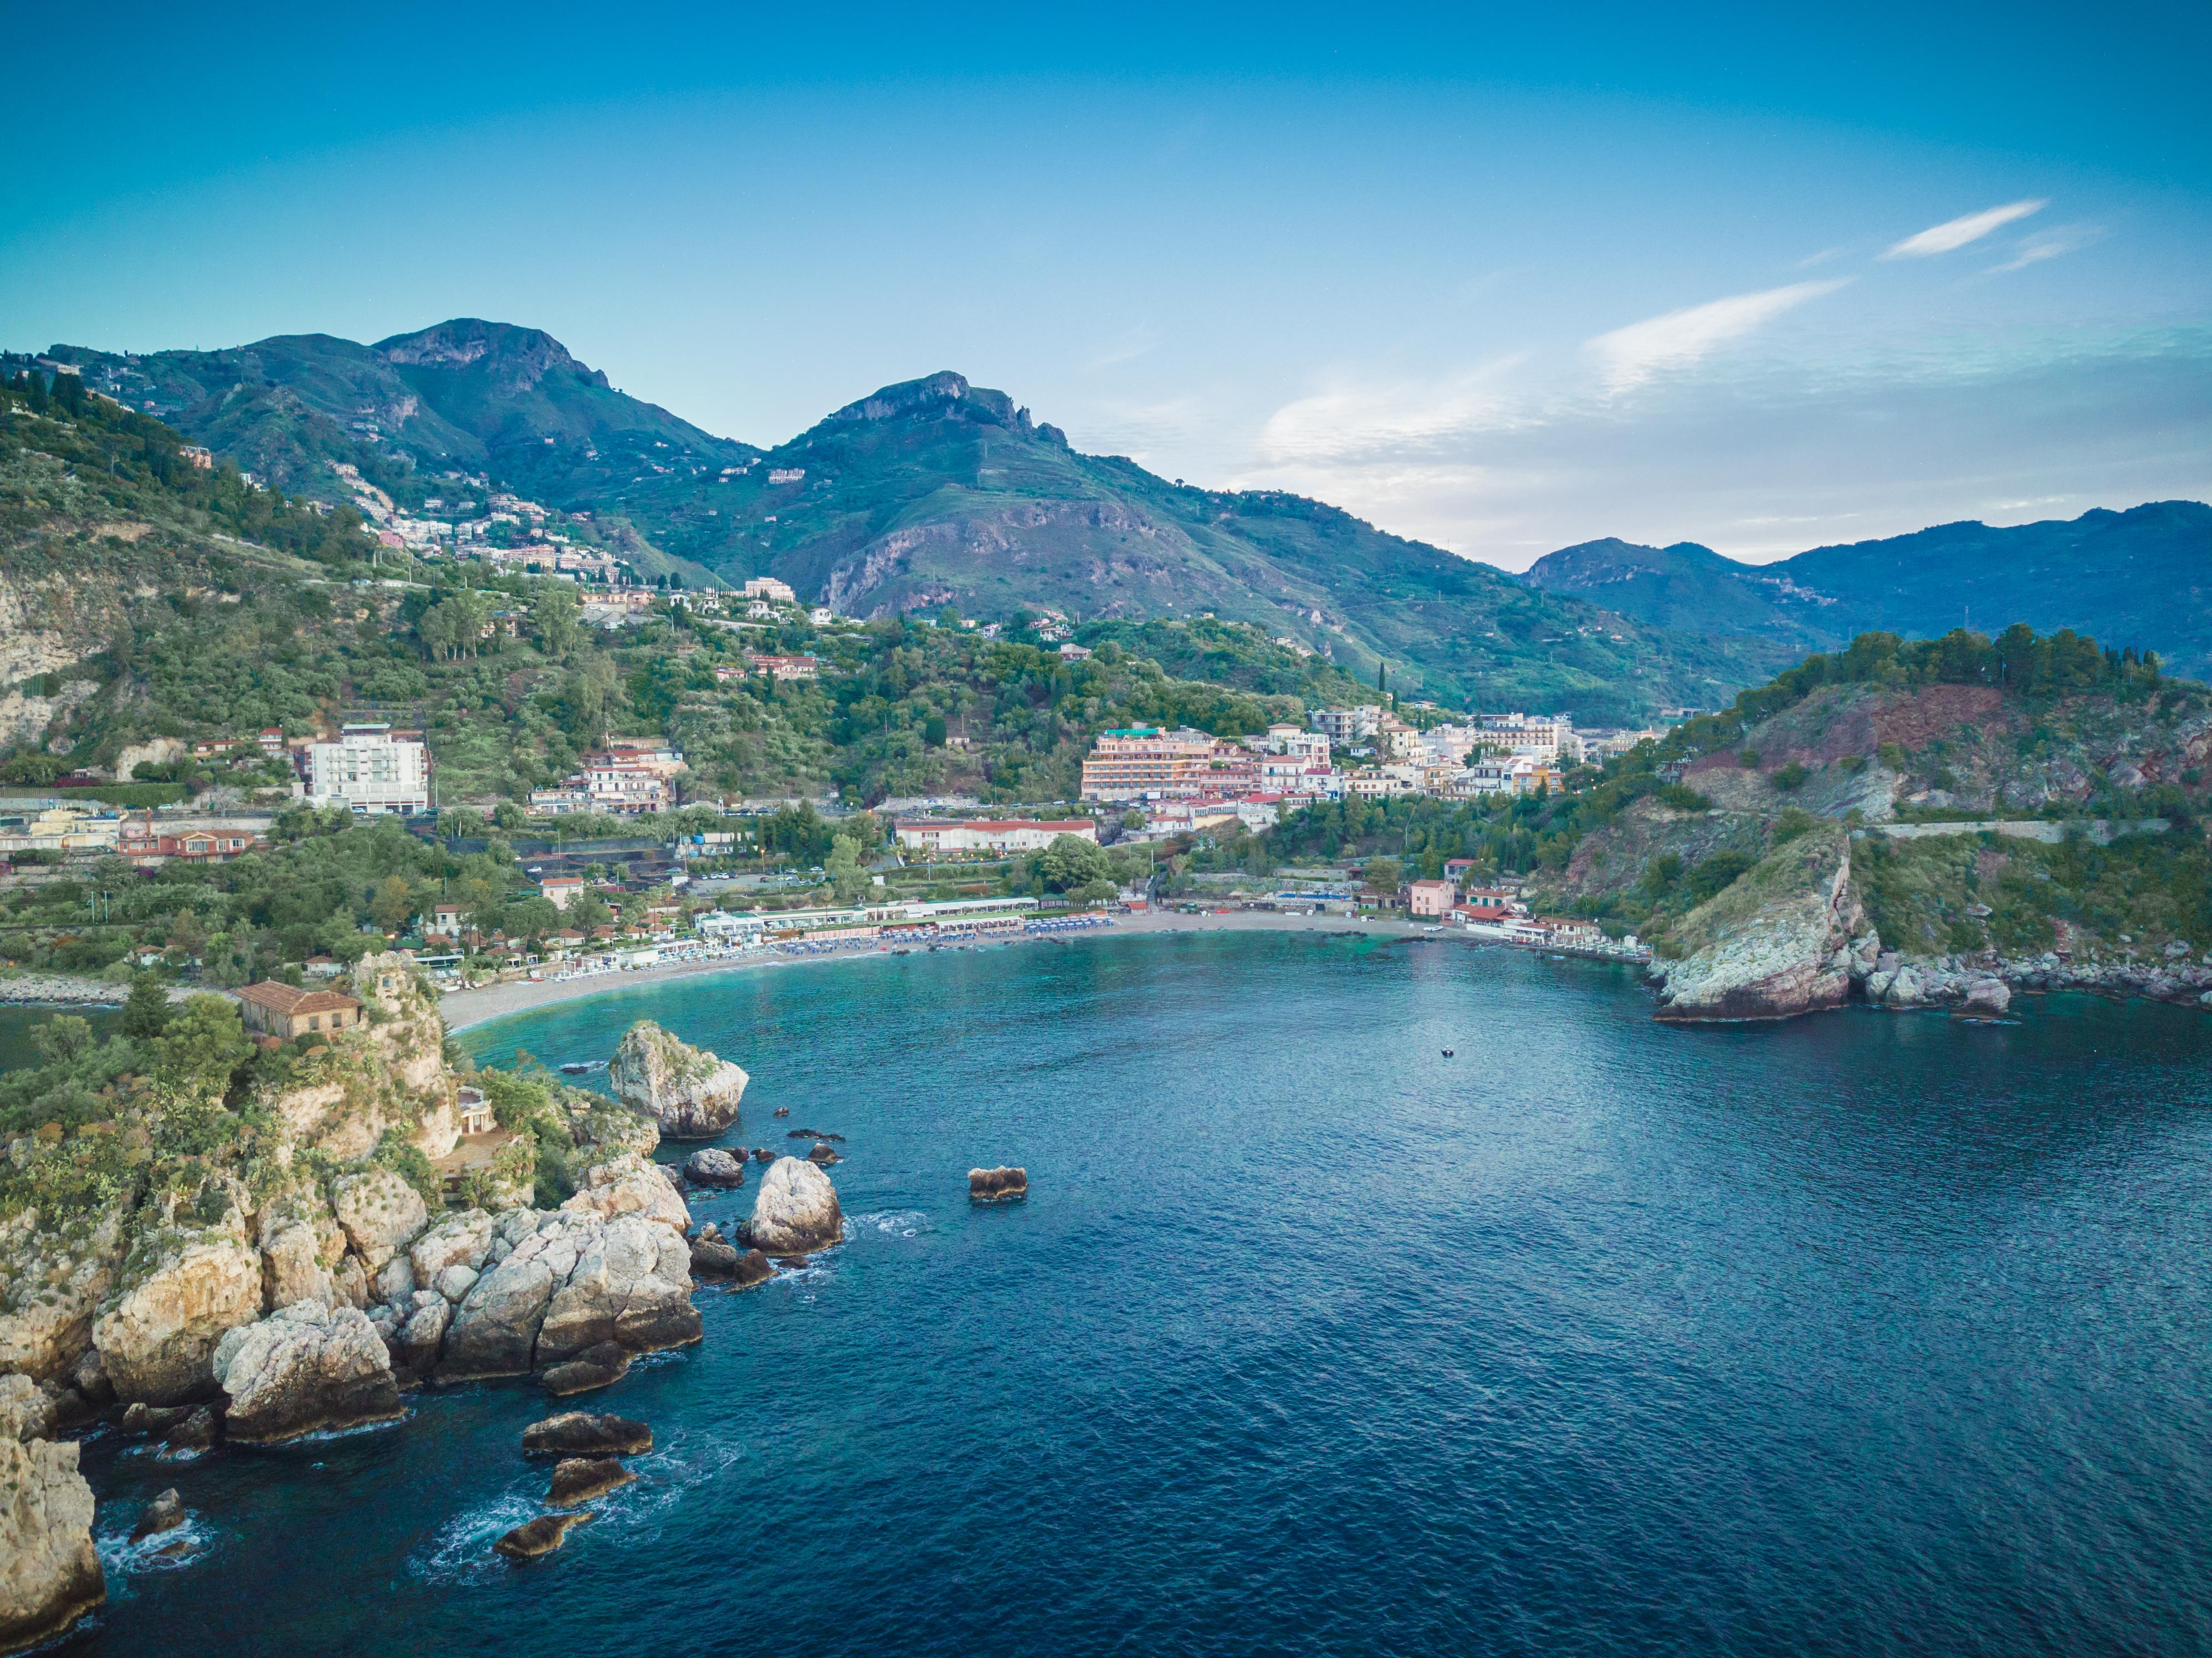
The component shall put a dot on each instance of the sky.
(1500, 283)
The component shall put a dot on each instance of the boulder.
(197, 1432)
(495, 1330)
(713, 1166)
(381, 1213)
(795, 1211)
(414, 1349)
(630, 1185)
(165, 1513)
(580, 1478)
(631, 1284)
(581, 1433)
(600, 1366)
(691, 1094)
(1987, 999)
(88, 1376)
(752, 1267)
(463, 1239)
(761, 1154)
(456, 1281)
(157, 1336)
(142, 1418)
(305, 1369)
(540, 1536)
(821, 1155)
(997, 1185)
(1907, 988)
(712, 1258)
(50, 1573)
(292, 1266)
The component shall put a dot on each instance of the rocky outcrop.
(305, 1369)
(50, 1573)
(51, 1288)
(159, 1333)
(630, 1185)
(458, 1240)
(593, 1368)
(1784, 940)
(581, 1433)
(166, 1512)
(997, 1185)
(691, 1094)
(580, 1478)
(631, 1284)
(796, 1211)
(540, 1536)
(380, 1212)
(713, 1166)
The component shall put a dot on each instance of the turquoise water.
(19, 1029)
(1858, 1334)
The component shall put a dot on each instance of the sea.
(1369, 1298)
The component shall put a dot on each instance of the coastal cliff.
(242, 1244)
(1785, 939)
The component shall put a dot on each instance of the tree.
(509, 816)
(1071, 861)
(392, 905)
(843, 868)
(146, 1010)
(1384, 876)
(64, 1039)
(554, 620)
(205, 1042)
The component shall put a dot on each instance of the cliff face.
(1788, 937)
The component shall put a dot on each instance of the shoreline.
(465, 1009)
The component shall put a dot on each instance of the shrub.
(1790, 777)
(1717, 874)
(1749, 759)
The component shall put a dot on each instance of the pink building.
(1433, 898)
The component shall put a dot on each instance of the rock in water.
(305, 1369)
(796, 1211)
(761, 1154)
(600, 1366)
(691, 1093)
(752, 1267)
(1777, 943)
(196, 1432)
(581, 1433)
(713, 1166)
(49, 1574)
(580, 1478)
(823, 1155)
(1987, 999)
(165, 1513)
(541, 1536)
(997, 1185)
(712, 1258)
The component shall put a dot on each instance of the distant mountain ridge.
(933, 491)
(2142, 577)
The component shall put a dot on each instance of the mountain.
(2142, 577)
(925, 493)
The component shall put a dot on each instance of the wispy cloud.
(1954, 233)
(1367, 420)
(1129, 347)
(2048, 244)
(1634, 354)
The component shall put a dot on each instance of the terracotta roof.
(288, 999)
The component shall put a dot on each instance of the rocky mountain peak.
(934, 396)
(518, 357)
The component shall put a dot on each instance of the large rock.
(381, 1214)
(796, 1210)
(495, 1330)
(998, 1185)
(27, 1410)
(593, 1368)
(292, 1266)
(458, 1240)
(581, 1433)
(1987, 999)
(692, 1094)
(540, 1536)
(631, 1284)
(580, 1478)
(158, 1335)
(49, 1574)
(713, 1166)
(304, 1369)
(630, 1185)
(414, 1348)
(1778, 942)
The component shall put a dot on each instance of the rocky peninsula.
(254, 1245)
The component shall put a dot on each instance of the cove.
(1865, 1332)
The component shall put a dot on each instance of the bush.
(1717, 874)
(1790, 777)
(1682, 797)
(1749, 759)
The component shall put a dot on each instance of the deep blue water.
(1864, 1333)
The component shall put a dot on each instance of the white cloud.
(1634, 354)
(2048, 244)
(1954, 233)
(1368, 421)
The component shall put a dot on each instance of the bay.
(1860, 1333)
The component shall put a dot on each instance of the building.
(767, 587)
(473, 1112)
(946, 838)
(560, 889)
(623, 786)
(1397, 739)
(783, 667)
(285, 1011)
(561, 801)
(1433, 898)
(371, 770)
(1137, 762)
(1074, 652)
(143, 843)
(1346, 726)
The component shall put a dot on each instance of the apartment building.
(1139, 762)
(372, 770)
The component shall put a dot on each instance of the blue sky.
(1500, 283)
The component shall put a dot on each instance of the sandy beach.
(465, 1008)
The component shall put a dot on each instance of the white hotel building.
(371, 771)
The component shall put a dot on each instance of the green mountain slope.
(2142, 577)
